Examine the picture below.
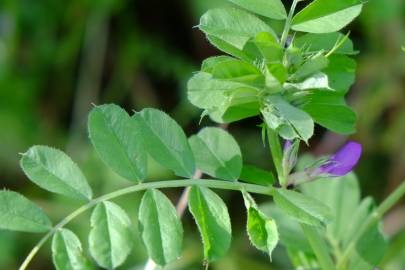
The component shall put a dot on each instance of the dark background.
(59, 57)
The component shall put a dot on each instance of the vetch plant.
(292, 80)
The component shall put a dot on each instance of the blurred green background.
(59, 57)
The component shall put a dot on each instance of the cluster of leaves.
(124, 143)
(152, 132)
(291, 83)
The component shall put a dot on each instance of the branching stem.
(211, 183)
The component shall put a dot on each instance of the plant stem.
(277, 155)
(287, 25)
(319, 247)
(210, 183)
(372, 219)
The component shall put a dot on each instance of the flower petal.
(343, 161)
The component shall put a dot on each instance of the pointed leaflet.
(67, 252)
(233, 26)
(110, 239)
(165, 141)
(19, 214)
(269, 8)
(212, 218)
(262, 230)
(325, 16)
(217, 153)
(53, 170)
(303, 208)
(118, 141)
(161, 228)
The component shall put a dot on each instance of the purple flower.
(343, 161)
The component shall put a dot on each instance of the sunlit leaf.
(118, 141)
(53, 170)
(233, 26)
(110, 239)
(325, 16)
(161, 228)
(165, 141)
(217, 153)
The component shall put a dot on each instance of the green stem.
(216, 184)
(372, 219)
(287, 25)
(319, 247)
(277, 155)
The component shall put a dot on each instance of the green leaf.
(110, 238)
(269, 47)
(262, 230)
(326, 16)
(165, 141)
(224, 46)
(269, 8)
(233, 26)
(342, 196)
(217, 153)
(53, 170)
(313, 43)
(329, 110)
(17, 213)
(118, 141)
(341, 72)
(212, 218)
(303, 208)
(255, 175)
(288, 120)
(230, 101)
(67, 252)
(372, 245)
(238, 71)
(161, 228)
